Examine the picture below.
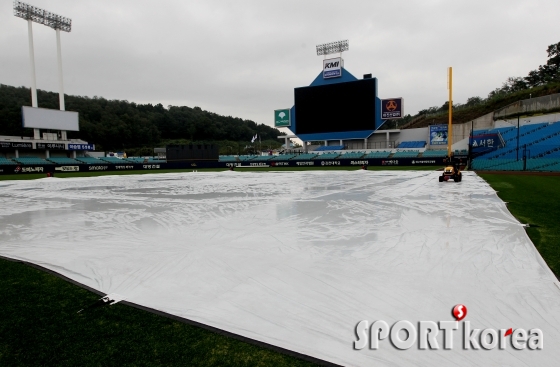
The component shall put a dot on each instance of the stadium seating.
(63, 160)
(304, 157)
(479, 132)
(115, 160)
(553, 167)
(509, 165)
(149, 160)
(262, 158)
(244, 158)
(378, 155)
(329, 147)
(90, 160)
(434, 153)
(31, 161)
(327, 156)
(540, 140)
(542, 164)
(406, 154)
(351, 155)
(5, 161)
(412, 144)
(282, 157)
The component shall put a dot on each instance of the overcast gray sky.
(243, 58)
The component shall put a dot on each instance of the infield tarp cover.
(297, 259)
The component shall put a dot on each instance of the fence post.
(525, 157)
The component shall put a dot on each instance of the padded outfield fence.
(123, 166)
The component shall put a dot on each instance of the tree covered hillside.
(123, 125)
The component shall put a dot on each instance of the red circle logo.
(459, 312)
(391, 105)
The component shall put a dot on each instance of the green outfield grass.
(40, 324)
(534, 200)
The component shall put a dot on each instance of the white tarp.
(297, 259)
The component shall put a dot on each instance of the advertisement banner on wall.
(332, 68)
(484, 142)
(15, 145)
(438, 134)
(392, 108)
(282, 118)
(81, 147)
(51, 146)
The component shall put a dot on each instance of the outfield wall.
(52, 168)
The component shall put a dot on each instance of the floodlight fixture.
(332, 48)
(41, 16)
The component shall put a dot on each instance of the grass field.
(41, 327)
(534, 200)
(40, 324)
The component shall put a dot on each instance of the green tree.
(118, 125)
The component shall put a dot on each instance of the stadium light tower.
(34, 14)
(332, 48)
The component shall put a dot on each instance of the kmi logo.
(332, 68)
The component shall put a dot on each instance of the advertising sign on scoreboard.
(332, 68)
(438, 134)
(392, 108)
(282, 118)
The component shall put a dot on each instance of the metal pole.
(450, 127)
(32, 64)
(60, 84)
(525, 157)
(471, 138)
(518, 135)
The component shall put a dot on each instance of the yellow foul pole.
(450, 127)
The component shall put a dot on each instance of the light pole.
(34, 14)
(518, 115)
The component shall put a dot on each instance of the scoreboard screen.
(336, 107)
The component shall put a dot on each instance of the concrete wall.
(398, 136)
(553, 117)
(380, 137)
(418, 134)
(463, 131)
(529, 105)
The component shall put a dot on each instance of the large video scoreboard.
(338, 107)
